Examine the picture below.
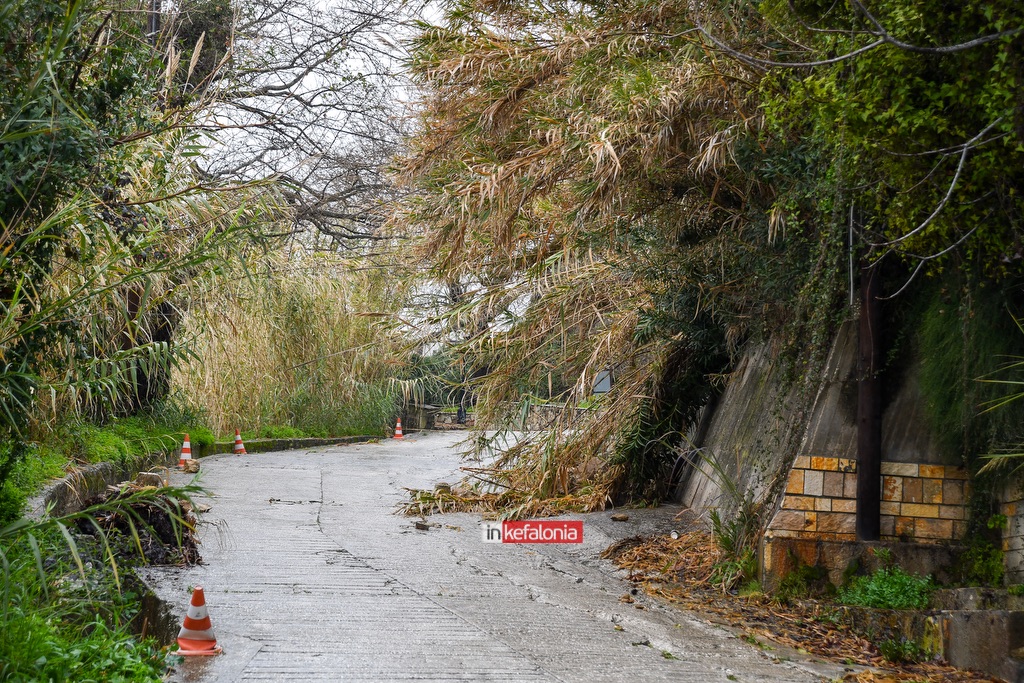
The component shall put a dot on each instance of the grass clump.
(60, 624)
(888, 588)
(901, 650)
(300, 347)
(281, 432)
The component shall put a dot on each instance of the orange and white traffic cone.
(239, 446)
(196, 634)
(186, 452)
(398, 429)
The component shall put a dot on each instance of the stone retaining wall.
(1013, 534)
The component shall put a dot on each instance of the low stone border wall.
(268, 445)
(984, 640)
(66, 495)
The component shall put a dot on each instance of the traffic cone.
(196, 634)
(239, 446)
(398, 429)
(186, 452)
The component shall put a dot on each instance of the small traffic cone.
(239, 446)
(196, 634)
(186, 452)
(398, 429)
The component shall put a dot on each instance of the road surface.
(310, 576)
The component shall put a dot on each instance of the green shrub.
(888, 588)
(803, 582)
(981, 564)
(201, 436)
(101, 445)
(281, 432)
(12, 502)
(58, 626)
(901, 650)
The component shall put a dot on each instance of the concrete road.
(310, 576)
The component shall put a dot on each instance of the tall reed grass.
(291, 338)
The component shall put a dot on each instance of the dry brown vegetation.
(574, 184)
(290, 337)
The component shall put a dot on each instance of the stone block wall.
(922, 503)
(1013, 534)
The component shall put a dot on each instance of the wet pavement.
(310, 576)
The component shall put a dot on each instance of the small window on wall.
(603, 382)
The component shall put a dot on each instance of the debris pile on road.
(489, 489)
(681, 570)
(144, 519)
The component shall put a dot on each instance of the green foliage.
(902, 650)
(981, 564)
(963, 332)
(894, 118)
(804, 581)
(281, 432)
(737, 541)
(67, 601)
(104, 224)
(208, 25)
(76, 442)
(1016, 589)
(12, 502)
(201, 436)
(888, 588)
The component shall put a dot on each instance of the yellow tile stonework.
(932, 492)
(847, 465)
(823, 504)
(959, 529)
(791, 520)
(955, 473)
(798, 503)
(813, 482)
(889, 507)
(892, 488)
(844, 505)
(931, 471)
(904, 527)
(795, 484)
(951, 512)
(920, 510)
(784, 533)
(832, 484)
(934, 528)
(952, 492)
(810, 521)
(913, 490)
(899, 469)
(836, 523)
(802, 462)
(849, 486)
(825, 464)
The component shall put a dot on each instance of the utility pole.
(869, 408)
(153, 22)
